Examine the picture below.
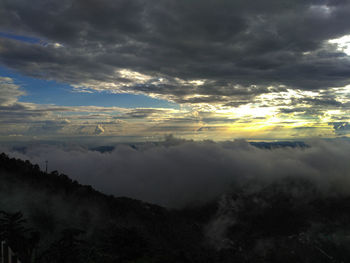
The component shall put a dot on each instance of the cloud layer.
(217, 49)
(177, 173)
(317, 115)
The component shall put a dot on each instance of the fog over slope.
(177, 173)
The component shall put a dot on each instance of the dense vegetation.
(50, 218)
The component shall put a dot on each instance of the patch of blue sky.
(32, 40)
(41, 91)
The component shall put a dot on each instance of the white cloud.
(9, 91)
(343, 44)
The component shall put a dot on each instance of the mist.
(179, 173)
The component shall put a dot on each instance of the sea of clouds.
(177, 173)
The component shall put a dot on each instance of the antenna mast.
(46, 162)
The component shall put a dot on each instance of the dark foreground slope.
(103, 228)
(289, 220)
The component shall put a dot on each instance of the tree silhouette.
(21, 239)
(12, 226)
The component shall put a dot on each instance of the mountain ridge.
(289, 220)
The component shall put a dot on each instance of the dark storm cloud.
(211, 128)
(341, 128)
(313, 105)
(293, 110)
(321, 102)
(228, 43)
(18, 112)
(305, 128)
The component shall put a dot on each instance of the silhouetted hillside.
(116, 228)
(51, 218)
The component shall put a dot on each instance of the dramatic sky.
(129, 70)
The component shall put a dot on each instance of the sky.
(138, 70)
